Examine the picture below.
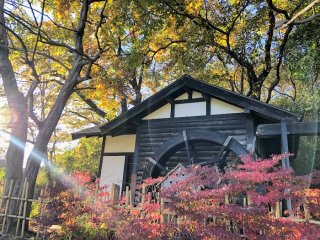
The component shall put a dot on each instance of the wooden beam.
(101, 155)
(293, 128)
(205, 96)
(250, 133)
(172, 110)
(170, 99)
(223, 153)
(185, 138)
(135, 164)
(189, 91)
(183, 101)
(284, 144)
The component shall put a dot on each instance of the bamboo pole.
(20, 207)
(25, 206)
(7, 205)
(41, 207)
(5, 183)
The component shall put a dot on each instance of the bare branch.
(203, 21)
(154, 52)
(39, 29)
(102, 17)
(24, 47)
(47, 56)
(83, 116)
(45, 15)
(309, 19)
(303, 11)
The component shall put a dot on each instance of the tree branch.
(278, 10)
(91, 104)
(267, 47)
(280, 58)
(303, 11)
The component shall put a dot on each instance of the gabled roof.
(127, 121)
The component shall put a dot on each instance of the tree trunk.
(18, 116)
(37, 154)
(256, 90)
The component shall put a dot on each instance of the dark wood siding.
(128, 171)
(156, 132)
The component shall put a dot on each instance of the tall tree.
(79, 69)
(17, 106)
(63, 47)
(240, 33)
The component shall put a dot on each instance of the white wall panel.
(163, 112)
(220, 107)
(122, 143)
(190, 109)
(112, 171)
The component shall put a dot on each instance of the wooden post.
(278, 209)
(306, 213)
(249, 201)
(226, 199)
(162, 217)
(7, 205)
(149, 197)
(143, 197)
(284, 144)
(245, 204)
(25, 209)
(115, 191)
(127, 196)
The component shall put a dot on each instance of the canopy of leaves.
(83, 157)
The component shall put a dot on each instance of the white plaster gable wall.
(190, 109)
(193, 109)
(112, 171)
(196, 94)
(122, 143)
(182, 97)
(220, 107)
(163, 112)
(185, 96)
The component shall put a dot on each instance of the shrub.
(210, 205)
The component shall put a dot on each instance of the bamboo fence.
(20, 218)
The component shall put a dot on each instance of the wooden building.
(188, 122)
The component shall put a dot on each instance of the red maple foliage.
(206, 204)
